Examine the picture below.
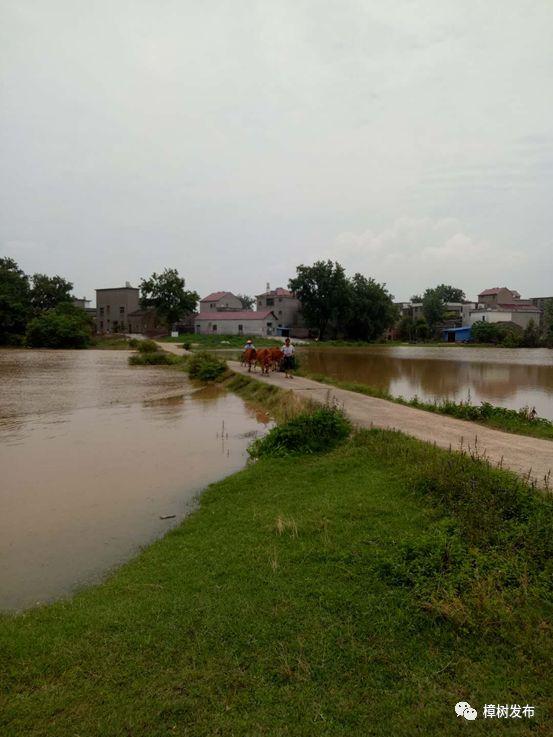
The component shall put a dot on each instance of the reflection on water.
(509, 378)
(93, 453)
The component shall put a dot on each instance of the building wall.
(519, 318)
(287, 309)
(503, 296)
(228, 302)
(231, 327)
(113, 307)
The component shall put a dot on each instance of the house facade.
(287, 308)
(240, 322)
(220, 302)
(113, 307)
(500, 304)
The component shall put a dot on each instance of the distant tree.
(548, 323)
(416, 298)
(371, 309)
(324, 293)
(448, 293)
(247, 301)
(167, 294)
(15, 301)
(486, 332)
(433, 308)
(63, 326)
(422, 330)
(406, 328)
(531, 335)
(49, 291)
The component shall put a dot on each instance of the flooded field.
(508, 378)
(93, 454)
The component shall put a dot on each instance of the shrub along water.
(159, 358)
(147, 346)
(206, 367)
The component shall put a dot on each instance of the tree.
(448, 293)
(531, 335)
(324, 294)
(49, 291)
(406, 328)
(371, 309)
(63, 326)
(166, 293)
(15, 300)
(548, 323)
(432, 308)
(247, 301)
(416, 298)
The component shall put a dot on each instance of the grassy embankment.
(519, 422)
(203, 342)
(362, 591)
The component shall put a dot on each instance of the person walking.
(288, 361)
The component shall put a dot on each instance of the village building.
(287, 308)
(220, 302)
(500, 304)
(114, 306)
(236, 322)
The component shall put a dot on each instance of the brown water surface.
(92, 453)
(510, 378)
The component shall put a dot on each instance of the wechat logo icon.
(464, 709)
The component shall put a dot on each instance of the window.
(280, 299)
(121, 310)
(270, 301)
(269, 324)
(101, 310)
(211, 305)
(101, 324)
(107, 309)
(280, 312)
(214, 328)
(240, 328)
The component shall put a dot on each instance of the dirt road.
(520, 453)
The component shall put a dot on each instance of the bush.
(153, 359)
(206, 367)
(134, 343)
(147, 346)
(186, 346)
(308, 432)
(64, 326)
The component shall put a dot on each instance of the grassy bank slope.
(356, 593)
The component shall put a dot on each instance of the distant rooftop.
(238, 315)
(278, 292)
(214, 296)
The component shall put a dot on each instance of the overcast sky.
(411, 140)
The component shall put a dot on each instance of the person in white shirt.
(288, 361)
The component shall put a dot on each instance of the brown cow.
(276, 358)
(249, 357)
(264, 360)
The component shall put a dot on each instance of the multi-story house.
(287, 308)
(113, 307)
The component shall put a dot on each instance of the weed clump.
(309, 432)
(147, 346)
(206, 367)
(159, 358)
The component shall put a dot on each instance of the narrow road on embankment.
(520, 453)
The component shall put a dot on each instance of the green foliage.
(247, 301)
(160, 358)
(64, 326)
(548, 323)
(206, 367)
(324, 294)
(530, 336)
(309, 432)
(447, 293)
(15, 301)
(422, 330)
(371, 309)
(166, 293)
(433, 308)
(48, 292)
(497, 333)
(147, 346)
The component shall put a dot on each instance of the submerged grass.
(521, 422)
(364, 591)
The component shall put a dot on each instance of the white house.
(518, 314)
(244, 322)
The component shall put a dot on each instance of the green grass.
(111, 342)
(362, 592)
(519, 422)
(203, 342)
(158, 358)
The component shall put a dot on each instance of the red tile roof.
(496, 290)
(519, 307)
(214, 296)
(238, 315)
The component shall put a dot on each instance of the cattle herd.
(268, 359)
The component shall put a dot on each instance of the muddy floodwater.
(511, 378)
(93, 453)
